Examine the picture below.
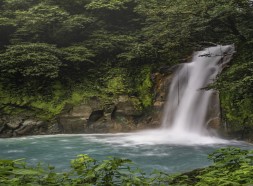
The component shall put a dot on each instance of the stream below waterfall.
(160, 154)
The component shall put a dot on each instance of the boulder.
(14, 122)
(162, 82)
(2, 128)
(29, 122)
(95, 115)
(24, 130)
(72, 125)
(95, 103)
(100, 126)
(2, 125)
(52, 128)
(125, 108)
(82, 110)
(214, 123)
(109, 108)
(123, 98)
(214, 106)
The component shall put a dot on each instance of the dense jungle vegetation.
(54, 52)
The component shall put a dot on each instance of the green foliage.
(40, 23)
(74, 29)
(232, 166)
(30, 60)
(110, 5)
(108, 172)
(44, 106)
(84, 171)
(236, 85)
(174, 27)
(116, 85)
(116, 82)
(137, 82)
(76, 54)
(110, 46)
(7, 27)
(144, 87)
(18, 4)
(76, 41)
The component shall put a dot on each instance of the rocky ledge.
(95, 116)
(92, 116)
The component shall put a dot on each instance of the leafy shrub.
(232, 166)
(31, 60)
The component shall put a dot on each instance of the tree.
(31, 60)
(39, 23)
(181, 24)
(109, 5)
(14, 5)
(236, 85)
(75, 29)
(7, 28)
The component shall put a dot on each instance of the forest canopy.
(66, 44)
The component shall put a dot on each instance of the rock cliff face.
(12, 126)
(94, 116)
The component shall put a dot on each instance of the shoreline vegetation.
(231, 166)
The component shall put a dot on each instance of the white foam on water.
(15, 151)
(156, 137)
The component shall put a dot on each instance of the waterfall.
(185, 114)
(188, 100)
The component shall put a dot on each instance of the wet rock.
(6, 134)
(14, 122)
(100, 126)
(214, 106)
(2, 125)
(2, 128)
(95, 104)
(214, 123)
(67, 109)
(123, 98)
(168, 69)
(95, 115)
(109, 108)
(83, 110)
(41, 123)
(161, 88)
(24, 130)
(29, 122)
(125, 108)
(158, 105)
(53, 128)
(72, 125)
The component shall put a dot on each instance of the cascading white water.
(186, 108)
(185, 113)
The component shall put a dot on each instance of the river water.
(148, 154)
